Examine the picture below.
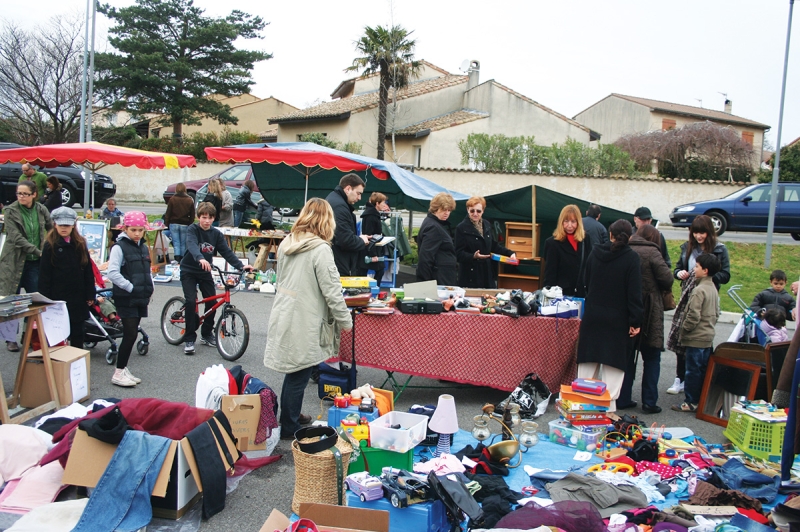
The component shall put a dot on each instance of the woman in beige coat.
(309, 311)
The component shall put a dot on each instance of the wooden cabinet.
(522, 239)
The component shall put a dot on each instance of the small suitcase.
(590, 386)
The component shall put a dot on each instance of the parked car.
(249, 214)
(746, 210)
(234, 177)
(367, 487)
(70, 177)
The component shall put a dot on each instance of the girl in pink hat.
(129, 270)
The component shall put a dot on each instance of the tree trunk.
(177, 131)
(382, 105)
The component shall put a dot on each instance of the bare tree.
(40, 80)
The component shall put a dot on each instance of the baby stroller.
(98, 328)
(748, 330)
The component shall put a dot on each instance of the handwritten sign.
(56, 323)
(79, 379)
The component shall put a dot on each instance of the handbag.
(669, 300)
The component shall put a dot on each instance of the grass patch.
(747, 269)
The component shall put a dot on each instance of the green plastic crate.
(374, 460)
(756, 438)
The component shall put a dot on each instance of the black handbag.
(340, 379)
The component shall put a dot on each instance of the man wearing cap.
(591, 225)
(643, 216)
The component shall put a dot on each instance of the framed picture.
(96, 234)
(726, 381)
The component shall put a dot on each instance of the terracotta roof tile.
(462, 116)
(369, 100)
(690, 110)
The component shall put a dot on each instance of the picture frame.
(726, 380)
(95, 232)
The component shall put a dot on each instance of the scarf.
(673, 339)
(572, 242)
(478, 225)
(30, 222)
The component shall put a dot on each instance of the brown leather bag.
(669, 300)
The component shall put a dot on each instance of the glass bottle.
(516, 420)
(507, 435)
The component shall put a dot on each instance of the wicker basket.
(315, 474)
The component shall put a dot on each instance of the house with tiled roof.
(253, 114)
(618, 115)
(432, 114)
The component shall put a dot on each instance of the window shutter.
(747, 136)
(667, 124)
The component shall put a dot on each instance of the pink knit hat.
(135, 219)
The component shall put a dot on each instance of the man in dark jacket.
(642, 216)
(347, 244)
(591, 225)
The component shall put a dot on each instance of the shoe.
(12, 346)
(208, 340)
(647, 409)
(304, 419)
(188, 348)
(676, 388)
(685, 407)
(131, 376)
(117, 324)
(632, 404)
(121, 379)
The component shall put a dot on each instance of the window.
(747, 136)
(236, 173)
(791, 193)
(761, 193)
(417, 156)
(667, 124)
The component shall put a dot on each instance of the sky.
(565, 54)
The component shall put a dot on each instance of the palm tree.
(390, 53)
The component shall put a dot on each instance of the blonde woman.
(225, 214)
(437, 251)
(214, 197)
(566, 253)
(309, 311)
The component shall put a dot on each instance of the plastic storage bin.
(336, 415)
(374, 460)
(562, 433)
(411, 433)
(422, 517)
(756, 438)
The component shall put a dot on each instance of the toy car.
(403, 488)
(367, 487)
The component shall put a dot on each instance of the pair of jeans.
(696, 364)
(30, 277)
(190, 282)
(237, 218)
(292, 391)
(738, 477)
(121, 500)
(178, 233)
(651, 372)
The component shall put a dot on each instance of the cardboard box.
(71, 372)
(243, 413)
(330, 518)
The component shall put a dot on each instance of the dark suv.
(70, 177)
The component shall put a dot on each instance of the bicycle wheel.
(173, 324)
(233, 333)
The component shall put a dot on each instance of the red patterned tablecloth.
(484, 350)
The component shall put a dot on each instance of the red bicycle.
(232, 331)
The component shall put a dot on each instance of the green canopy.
(523, 204)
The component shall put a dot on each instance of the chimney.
(728, 106)
(474, 74)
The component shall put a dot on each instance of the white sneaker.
(121, 379)
(131, 376)
(676, 388)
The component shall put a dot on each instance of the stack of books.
(584, 411)
(14, 304)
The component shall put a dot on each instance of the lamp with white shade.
(444, 422)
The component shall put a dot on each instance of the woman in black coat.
(437, 253)
(613, 311)
(371, 225)
(474, 246)
(52, 197)
(566, 254)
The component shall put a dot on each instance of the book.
(581, 416)
(599, 400)
(574, 405)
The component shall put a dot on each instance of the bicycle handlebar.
(223, 274)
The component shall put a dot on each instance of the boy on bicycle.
(202, 242)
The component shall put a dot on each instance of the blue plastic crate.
(423, 517)
(336, 415)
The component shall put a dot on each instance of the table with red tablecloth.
(483, 350)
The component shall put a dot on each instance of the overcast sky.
(564, 54)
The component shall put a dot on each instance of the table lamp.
(444, 422)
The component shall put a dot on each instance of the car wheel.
(68, 196)
(363, 497)
(796, 236)
(719, 221)
(395, 500)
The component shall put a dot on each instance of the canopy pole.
(305, 200)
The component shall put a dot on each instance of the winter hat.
(64, 216)
(135, 219)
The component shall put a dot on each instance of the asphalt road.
(170, 375)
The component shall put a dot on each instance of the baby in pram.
(103, 307)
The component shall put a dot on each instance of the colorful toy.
(403, 489)
(502, 258)
(367, 487)
(613, 467)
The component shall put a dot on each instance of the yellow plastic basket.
(756, 438)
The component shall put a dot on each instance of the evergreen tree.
(173, 61)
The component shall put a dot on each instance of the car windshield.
(740, 193)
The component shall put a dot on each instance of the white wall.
(615, 117)
(624, 194)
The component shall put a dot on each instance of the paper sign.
(8, 330)
(79, 378)
(583, 456)
(56, 323)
